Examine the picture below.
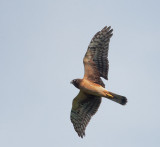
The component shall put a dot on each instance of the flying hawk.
(92, 88)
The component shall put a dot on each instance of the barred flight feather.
(81, 115)
(98, 48)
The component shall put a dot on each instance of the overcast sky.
(42, 44)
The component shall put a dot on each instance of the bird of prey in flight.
(91, 87)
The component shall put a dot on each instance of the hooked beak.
(71, 82)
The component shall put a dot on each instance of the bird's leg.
(108, 95)
(117, 98)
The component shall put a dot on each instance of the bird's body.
(92, 88)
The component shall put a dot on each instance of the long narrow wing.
(96, 58)
(84, 106)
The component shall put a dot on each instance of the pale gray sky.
(42, 44)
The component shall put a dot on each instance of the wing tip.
(108, 29)
(81, 135)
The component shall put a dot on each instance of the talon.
(110, 95)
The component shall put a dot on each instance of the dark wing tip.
(107, 29)
(79, 123)
(81, 114)
(82, 135)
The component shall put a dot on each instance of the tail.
(118, 98)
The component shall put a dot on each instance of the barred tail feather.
(118, 98)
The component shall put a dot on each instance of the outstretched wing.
(96, 58)
(84, 106)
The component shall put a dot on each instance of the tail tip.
(124, 100)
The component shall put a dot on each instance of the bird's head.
(75, 82)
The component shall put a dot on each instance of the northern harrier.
(92, 88)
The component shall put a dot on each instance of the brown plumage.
(92, 88)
